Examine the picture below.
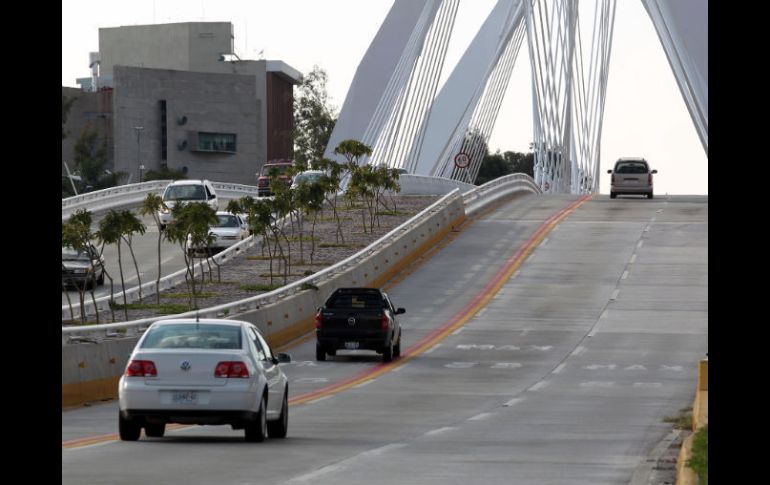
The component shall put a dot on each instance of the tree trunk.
(122, 281)
(136, 266)
(157, 282)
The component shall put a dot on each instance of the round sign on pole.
(462, 160)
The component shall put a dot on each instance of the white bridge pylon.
(393, 105)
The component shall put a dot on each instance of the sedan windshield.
(185, 192)
(69, 254)
(193, 336)
(227, 221)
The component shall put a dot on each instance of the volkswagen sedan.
(205, 372)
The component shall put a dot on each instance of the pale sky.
(645, 114)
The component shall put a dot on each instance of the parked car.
(205, 372)
(281, 166)
(186, 191)
(631, 176)
(230, 229)
(308, 176)
(358, 319)
(81, 269)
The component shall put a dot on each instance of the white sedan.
(210, 371)
(229, 229)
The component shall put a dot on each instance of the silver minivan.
(631, 176)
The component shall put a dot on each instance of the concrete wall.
(211, 102)
(189, 46)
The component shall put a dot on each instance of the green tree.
(150, 206)
(164, 173)
(77, 234)
(309, 199)
(91, 161)
(314, 117)
(190, 229)
(66, 105)
(330, 182)
(111, 232)
(499, 164)
(130, 225)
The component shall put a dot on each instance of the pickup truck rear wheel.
(397, 347)
(387, 352)
(320, 353)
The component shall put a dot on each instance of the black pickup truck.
(358, 319)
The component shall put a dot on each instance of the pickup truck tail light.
(649, 179)
(385, 322)
(141, 368)
(319, 320)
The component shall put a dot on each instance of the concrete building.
(179, 98)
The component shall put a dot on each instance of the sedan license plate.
(351, 345)
(185, 397)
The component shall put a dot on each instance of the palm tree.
(111, 232)
(130, 225)
(190, 229)
(151, 206)
(76, 233)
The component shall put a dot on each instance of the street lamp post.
(139, 150)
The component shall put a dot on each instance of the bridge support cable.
(396, 141)
(469, 136)
(375, 72)
(472, 136)
(589, 96)
(550, 34)
(682, 28)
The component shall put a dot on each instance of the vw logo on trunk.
(185, 365)
(351, 321)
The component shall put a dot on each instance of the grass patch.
(682, 421)
(304, 238)
(699, 462)
(161, 309)
(259, 287)
(394, 213)
(204, 294)
(341, 245)
(308, 286)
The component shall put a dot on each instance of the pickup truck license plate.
(185, 397)
(351, 345)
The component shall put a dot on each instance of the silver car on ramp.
(205, 372)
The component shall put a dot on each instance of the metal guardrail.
(252, 303)
(482, 195)
(111, 198)
(133, 194)
(424, 185)
(477, 197)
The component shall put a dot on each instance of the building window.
(163, 131)
(216, 142)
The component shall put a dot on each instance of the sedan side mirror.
(399, 311)
(654, 171)
(609, 171)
